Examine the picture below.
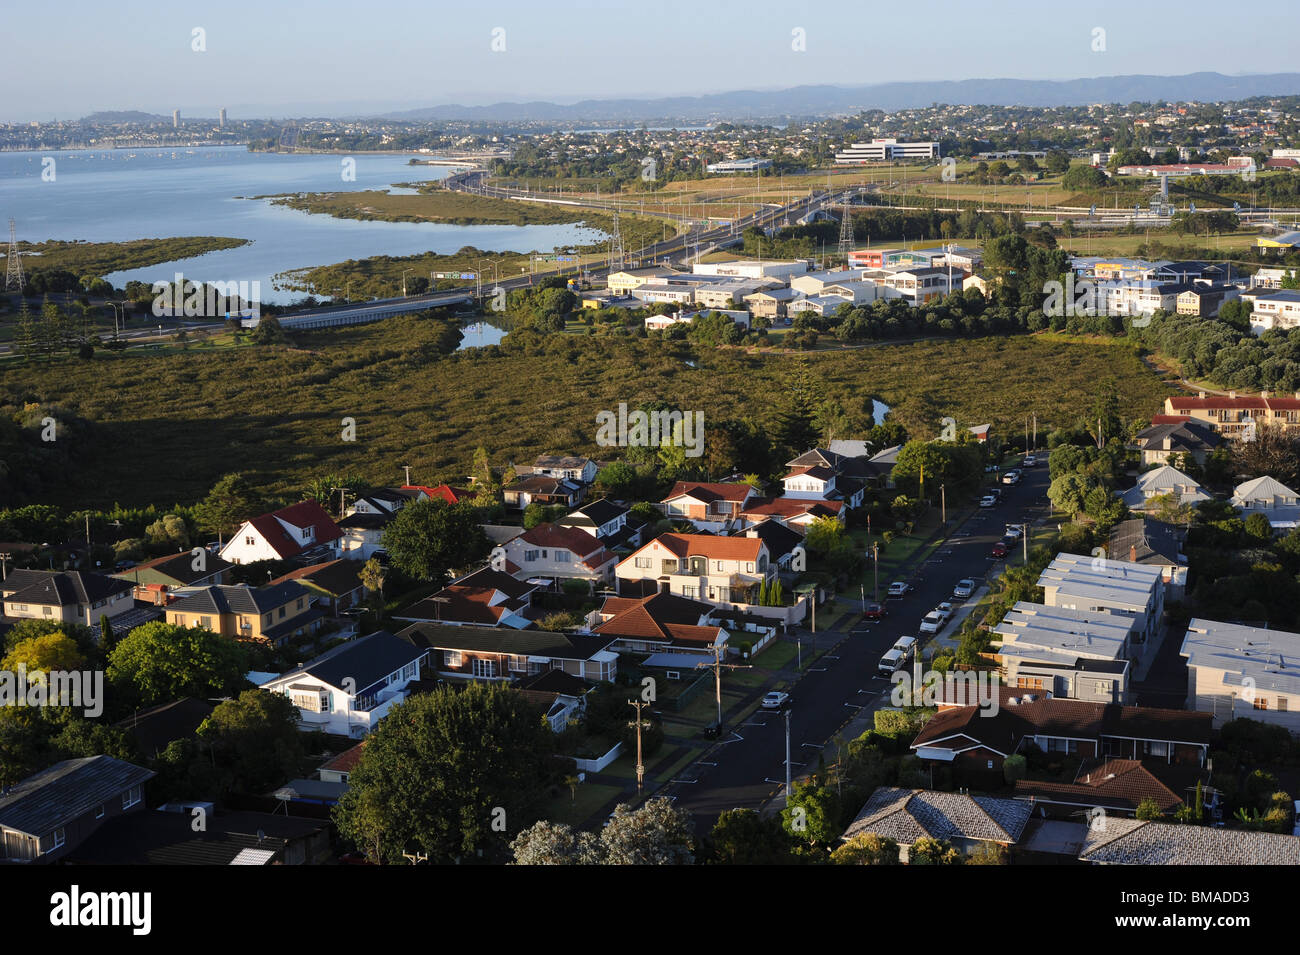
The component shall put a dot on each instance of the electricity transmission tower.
(14, 272)
(615, 246)
(846, 232)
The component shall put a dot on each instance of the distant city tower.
(176, 119)
(14, 273)
(221, 118)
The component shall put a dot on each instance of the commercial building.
(753, 269)
(1269, 310)
(739, 165)
(883, 150)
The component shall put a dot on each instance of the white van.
(905, 645)
(892, 662)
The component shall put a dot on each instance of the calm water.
(122, 194)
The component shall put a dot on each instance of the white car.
(1011, 477)
(1014, 531)
(932, 623)
(775, 700)
(1029, 461)
(899, 589)
(988, 500)
(944, 610)
(965, 587)
(891, 662)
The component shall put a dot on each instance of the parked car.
(875, 611)
(944, 610)
(775, 700)
(931, 623)
(965, 587)
(1000, 550)
(988, 500)
(1029, 461)
(1014, 532)
(905, 646)
(1011, 477)
(891, 662)
(899, 589)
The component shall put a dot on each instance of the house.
(566, 467)
(1161, 482)
(46, 816)
(273, 614)
(561, 696)
(1070, 654)
(781, 539)
(337, 769)
(1237, 416)
(796, 513)
(816, 283)
(335, 584)
(1270, 497)
(1180, 437)
(1236, 671)
(556, 552)
(284, 534)
(452, 495)
(487, 597)
(155, 579)
(1270, 310)
(659, 622)
(1141, 540)
(1118, 786)
(1205, 299)
(540, 489)
(70, 596)
(966, 822)
(627, 280)
(166, 837)
(346, 691)
(496, 653)
(774, 303)
(975, 742)
(711, 507)
(822, 474)
(1149, 843)
(721, 570)
(612, 523)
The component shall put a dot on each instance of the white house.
(1270, 497)
(283, 534)
(349, 689)
(721, 570)
(562, 553)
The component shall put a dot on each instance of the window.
(130, 797)
(531, 554)
(300, 599)
(485, 667)
(1260, 703)
(1281, 704)
(205, 623)
(57, 838)
(281, 613)
(1157, 749)
(688, 592)
(250, 540)
(643, 563)
(99, 813)
(452, 658)
(518, 664)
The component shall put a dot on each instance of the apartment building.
(1075, 654)
(1236, 671)
(1237, 416)
(1076, 582)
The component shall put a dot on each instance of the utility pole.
(716, 666)
(1024, 537)
(407, 469)
(87, 540)
(875, 563)
(943, 502)
(640, 765)
(4, 566)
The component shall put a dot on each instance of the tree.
(928, 851)
(1257, 526)
(255, 739)
(159, 662)
(551, 843)
(269, 332)
(824, 534)
(1148, 809)
(866, 848)
(988, 853)
(656, 834)
(54, 651)
(372, 577)
(231, 501)
(107, 639)
(428, 538)
(812, 813)
(743, 837)
(449, 773)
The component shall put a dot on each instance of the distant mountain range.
(816, 101)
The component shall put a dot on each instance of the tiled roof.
(345, 761)
(667, 618)
(711, 546)
(906, 815)
(703, 491)
(157, 726)
(1110, 783)
(305, 514)
(1141, 842)
(364, 661)
(176, 567)
(573, 539)
(239, 598)
(537, 643)
(334, 577)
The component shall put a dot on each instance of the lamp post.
(404, 271)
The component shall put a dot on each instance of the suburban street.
(746, 769)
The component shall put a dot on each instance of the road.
(749, 762)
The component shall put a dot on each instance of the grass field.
(168, 425)
(102, 258)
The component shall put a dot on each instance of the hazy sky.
(269, 58)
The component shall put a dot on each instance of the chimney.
(1201, 394)
(1232, 395)
(1132, 553)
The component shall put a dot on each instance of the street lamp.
(404, 271)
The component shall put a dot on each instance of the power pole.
(407, 469)
(943, 503)
(717, 666)
(875, 563)
(640, 765)
(4, 566)
(14, 271)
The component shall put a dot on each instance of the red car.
(999, 550)
(875, 611)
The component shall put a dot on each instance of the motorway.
(746, 769)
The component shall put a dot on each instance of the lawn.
(591, 797)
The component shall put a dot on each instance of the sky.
(266, 58)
